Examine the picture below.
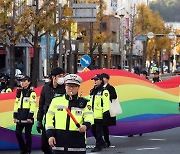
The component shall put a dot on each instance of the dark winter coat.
(113, 95)
(46, 97)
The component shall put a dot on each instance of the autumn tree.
(13, 25)
(64, 24)
(42, 20)
(147, 21)
(97, 37)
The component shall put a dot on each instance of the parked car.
(177, 71)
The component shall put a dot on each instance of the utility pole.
(60, 39)
(91, 41)
(131, 39)
(121, 41)
(100, 31)
(48, 53)
(35, 70)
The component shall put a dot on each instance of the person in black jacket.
(156, 77)
(144, 74)
(112, 120)
(55, 86)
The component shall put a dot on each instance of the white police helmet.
(73, 79)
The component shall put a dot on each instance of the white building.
(122, 6)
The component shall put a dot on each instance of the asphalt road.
(164, 142)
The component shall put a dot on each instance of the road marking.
(121, 136)
(155, 148)
(92, 146)
(157, 139)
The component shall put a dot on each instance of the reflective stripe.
(23, 121)
(58, 148)
(31, 111)
(15, 111)
(88, 121)
(88, 113)
(50, 112)
(49, 127)
(60, 107)
(76, 149)
(76, 108)
(69, 149)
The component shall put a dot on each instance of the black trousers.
(97, 131)
(106, 134)
(44, 143)
(24, 146)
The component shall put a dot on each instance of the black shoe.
(140, 134)
(108, 144)
(23, 152)
(96, 149)
(104, 146)
(130, 135)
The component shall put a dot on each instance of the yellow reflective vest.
(100, 103)
(25, 105)
(68, 137)
(7, 90)
(81, 110)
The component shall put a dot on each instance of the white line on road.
(155, 148)
(157, 139)
(121, 136)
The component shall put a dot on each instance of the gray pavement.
(164, 142)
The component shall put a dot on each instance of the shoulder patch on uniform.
(106, 94)
(89, 107)
(33, 96)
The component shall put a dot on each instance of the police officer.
(4, 85)
(25, 105)
(112, 120)
(55, 86)
(66, 136)
(156, 77)
(100, 105)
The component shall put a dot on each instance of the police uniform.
(24, 108)
(6, 90)
(99, 97)
(4, 87)
(67, 135)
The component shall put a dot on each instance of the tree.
(13, 25)
(97, 37)
(42, 20)
(147, 21)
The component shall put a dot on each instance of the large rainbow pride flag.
(146, 107)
